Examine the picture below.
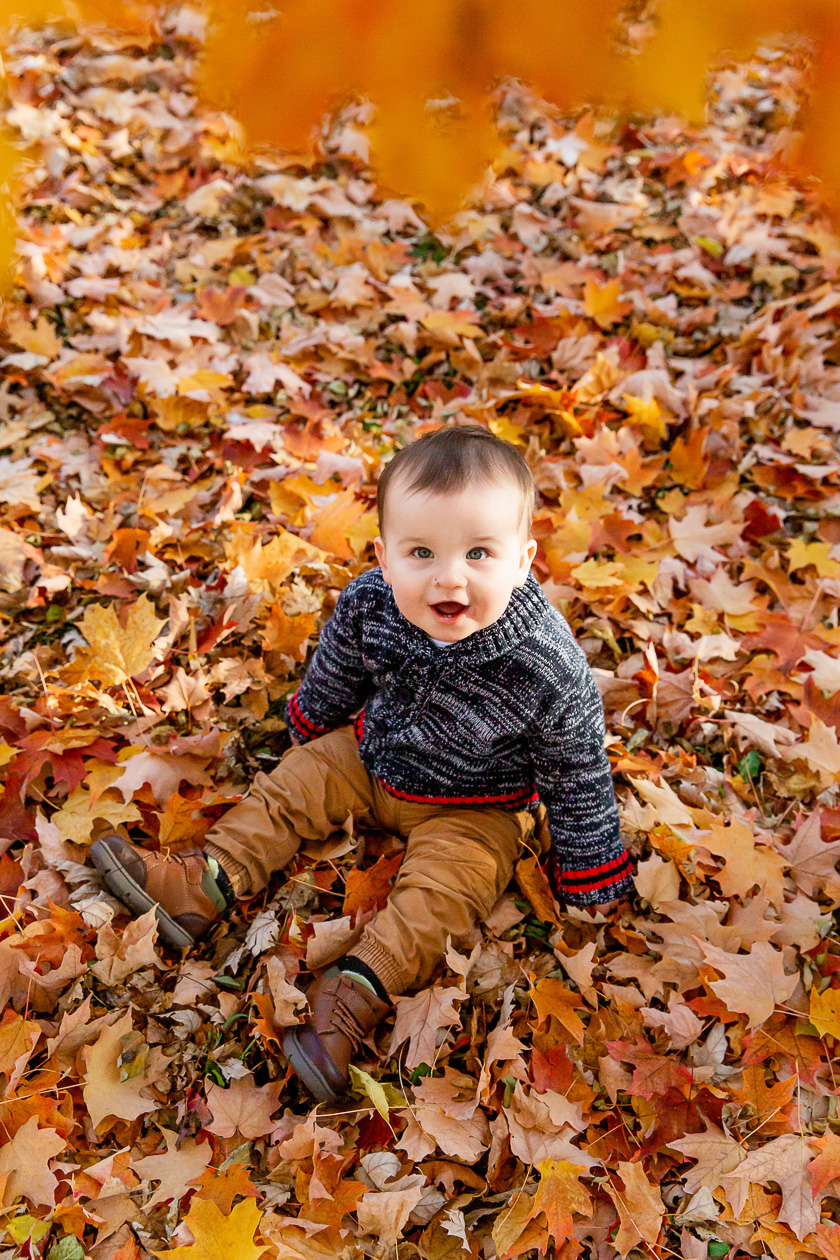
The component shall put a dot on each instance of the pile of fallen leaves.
(205, 363)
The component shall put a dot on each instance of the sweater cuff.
(304, 729)
(592, 885)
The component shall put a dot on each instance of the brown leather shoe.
(179, 886)
(341, 1014)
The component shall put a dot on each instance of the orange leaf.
(222, 1188)
(368, 890)
(559, 1195)
(551, 997)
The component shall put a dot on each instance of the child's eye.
(422, 553)
(477, 553)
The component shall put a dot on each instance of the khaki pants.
(458, 861)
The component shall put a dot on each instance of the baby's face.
(453, 560)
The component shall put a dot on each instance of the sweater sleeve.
(588, 863)
(336, 682)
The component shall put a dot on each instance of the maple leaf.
(824, 1012)
(385, 1212)
(812, 861)
(826, 1166)
(174, 1168)
(243, 1107)
(753, 983)
(821, 750)
(639, 1206)
(105, 1092)
(218, 1237)
(785, 1162)
(24, 1163)
(120, 956)
(77, 816)
(551, 997)
(120, 653)
(420, 1018)
(559, 1195)
(222, 1186)
(368, 889)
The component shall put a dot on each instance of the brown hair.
(448, 460)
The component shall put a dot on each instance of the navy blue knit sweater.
(506, 717)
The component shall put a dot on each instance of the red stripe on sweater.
(512, 798)
(615, 865)
(299, 717)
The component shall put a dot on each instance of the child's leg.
(308, 795)
(457, 864)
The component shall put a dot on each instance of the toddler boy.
(470, 702)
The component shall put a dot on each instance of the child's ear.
(379, 548)
(526, 560)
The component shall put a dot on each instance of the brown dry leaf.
(784, 1161)
(384, 1213)
(639, 1206)
(105, 1093)
(120, 956)
(177, 1166)
(419, 1019)
(243, 1107)
(24, 1162)
(718, 1155)
(753, 983)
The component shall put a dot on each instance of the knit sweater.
(505, 718)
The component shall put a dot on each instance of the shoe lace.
(346, 1022)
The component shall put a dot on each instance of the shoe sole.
(118, 881)
(303, 1066)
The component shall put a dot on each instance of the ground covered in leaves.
(205, 362)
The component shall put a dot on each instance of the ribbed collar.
(524, 614)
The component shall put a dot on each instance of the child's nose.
(451, 576)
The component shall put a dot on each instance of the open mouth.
(449, 610)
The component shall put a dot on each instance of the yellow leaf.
(801, 554)
(383, 1097)
(595, 574)
(39, 338)
(201, 380)
(647, 414)
(120, 654)
(824, 1012)
(601, 302)
(219, 1237)
(508, 432)
(76, 817)
(448, 326)
(267, 567)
